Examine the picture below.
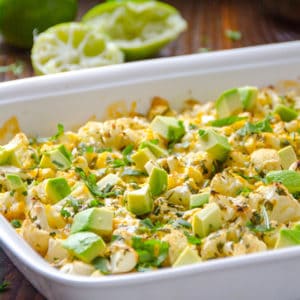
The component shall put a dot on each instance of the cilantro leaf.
(133, 172)
(146, 225)
(16, 223)
(262, 126)
(226, 121)
(192, 239)
(233, 35)
(101, 264)
(4, 286)
(151, 252)
(60, 132)
(181, 223)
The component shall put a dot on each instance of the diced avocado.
(187, 257)
(158, 181)
(248, 96)
(287, 156)
(207, 220)
(290, 179)
(198, 200)
(139, 202)
(8, 155)
(141, 157)
(179, 195)
(155, 149)
(286, 113)
(57, 158)
(98, 220)
(233, 101)
(56, 189)
(85, 245)
(168, 127)
(4, 156)
(215, 144)
(287, 238)
(111, 179)
(229, 103)
(15, 183)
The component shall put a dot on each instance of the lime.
(72, 46)
(139, 28)
(20, 18)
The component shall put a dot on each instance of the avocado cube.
(141, 157)
(229, 103)
(57, 158)
(289, 178)
(168, 127)
(286, 113)
(111, 179)
(287, 238)
(139, 202)
(198, 200)
(187, 257)
(155, 149)
(4, 156)
(98, 220)
(248, 96)
(158, 181)
(8, 155)
(85, 245)
(287, 156)
(214, 144)
(207, 220)
(15, 183)
(56, 189)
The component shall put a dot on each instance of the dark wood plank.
(207, 22)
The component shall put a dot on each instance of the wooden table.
(207, 22)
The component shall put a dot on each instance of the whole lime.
(21, 19)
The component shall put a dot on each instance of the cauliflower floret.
(265, 160)
(212, 245)
(56, 252)
(281, 206)
(177, 243)
(249, 243)
(12, 207)
(37, 238)
(123, 258)
(78, 268)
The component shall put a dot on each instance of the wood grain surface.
(207, 22)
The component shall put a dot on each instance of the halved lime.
(20, 18)
(139, 28)
(72, 46)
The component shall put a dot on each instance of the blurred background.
(212, 25)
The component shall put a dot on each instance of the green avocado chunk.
(168, 127)
(96, 219)
(287, 238)
(187, 257)
(198, 200)
(235, 100)
(158, 181)
(56, 189)
(155, 149)
(85, 245)
(290, 179)
(141, 157)
(111, 179)
(8, 155)
(139, 202)
(15, 183)
(287, 156)
(286, 113)
(215, 144)
(207, 220)
(57, 158)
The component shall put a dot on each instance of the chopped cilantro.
(4, 286)
(133, 172)
(259, 228)
(60, 132)
(16, 68)
(65, 213)
(226, 121)
(146, 225)
(192, 239)
(181, 223)
(16, 223)
(151, 252)
(233, 35)
(262, 126)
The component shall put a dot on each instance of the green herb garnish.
(60, 132)
(262, 126)
(233, 35)
(16, 223)
(133, 172)
(192, 239)
(226, 121)
(4, 286)
(101, 264)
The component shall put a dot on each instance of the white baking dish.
(71, 98)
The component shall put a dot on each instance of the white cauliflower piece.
(249, 243)
(212, 245)
(56, 252)
(265, 160)
(78, 268)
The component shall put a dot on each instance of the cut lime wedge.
(139, 28)
(72, 46)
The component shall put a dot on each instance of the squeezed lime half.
(139, 28)
(72, 46)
